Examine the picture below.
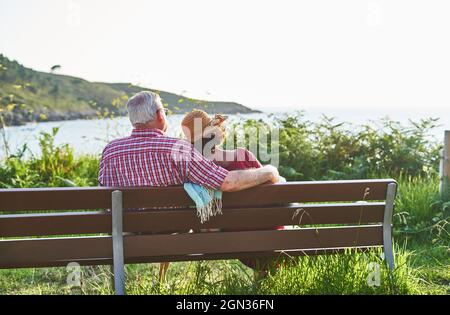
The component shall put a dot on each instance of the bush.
(337, 150)
(56, 166)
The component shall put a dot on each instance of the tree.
(54, 68)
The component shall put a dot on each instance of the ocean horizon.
(90, 136)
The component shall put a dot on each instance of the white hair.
(143, 106)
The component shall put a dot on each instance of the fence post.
(445, 166)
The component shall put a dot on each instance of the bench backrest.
(56, 226)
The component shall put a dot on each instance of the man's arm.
(206, 173)
(243, 179)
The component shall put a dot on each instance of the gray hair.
(143, 106)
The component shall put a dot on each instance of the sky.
(271, 55)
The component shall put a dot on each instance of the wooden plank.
(320, 191)
(247, 255)
(76, 198)
(186, 258)
(46, 224)
(157, 221)
(39, 252)
(145, 197)
(55, 198)
(230, 242)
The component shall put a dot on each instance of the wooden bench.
(359, 212)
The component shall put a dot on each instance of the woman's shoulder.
(242, 154)
(244, 159)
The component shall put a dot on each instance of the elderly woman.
(207, 134)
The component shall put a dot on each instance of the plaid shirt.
(149, 158)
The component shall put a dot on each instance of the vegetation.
(329, 149)
(308, 151)
(343, 274)
(28, 95)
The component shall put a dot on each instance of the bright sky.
(271, 55)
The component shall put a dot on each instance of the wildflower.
(10, 107)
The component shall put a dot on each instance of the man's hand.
(243, 179)
(274, 178)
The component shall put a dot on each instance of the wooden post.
(445, 166)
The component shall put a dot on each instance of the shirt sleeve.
(101, 172)
(204, 172)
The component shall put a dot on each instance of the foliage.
(55, 166)
(337, 150)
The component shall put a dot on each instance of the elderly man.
(150, 158)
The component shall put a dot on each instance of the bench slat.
(54, 252)
(35, 199)
(246, 255)
(184, 219)
(100, 197)
(321, 191)
(184, 258)
(215, 243)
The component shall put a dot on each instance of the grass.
(416, 272)
(431, 265)
(416, 195)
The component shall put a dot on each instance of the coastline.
(16, 119)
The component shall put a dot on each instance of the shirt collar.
(148, 132)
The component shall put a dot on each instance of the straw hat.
(198, 124)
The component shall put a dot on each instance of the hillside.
(28, 95)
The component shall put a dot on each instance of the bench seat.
(49, 227)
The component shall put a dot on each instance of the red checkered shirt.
(149, 158)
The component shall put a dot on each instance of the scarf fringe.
(211, 209)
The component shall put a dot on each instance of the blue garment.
(207, 201)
